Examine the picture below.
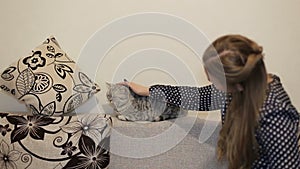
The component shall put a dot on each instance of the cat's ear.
(108, 85)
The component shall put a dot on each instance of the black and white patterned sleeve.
(204, 98)
(279, 135)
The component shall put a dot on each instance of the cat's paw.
(122, 117)
(158, 118)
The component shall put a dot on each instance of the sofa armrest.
(54, 142)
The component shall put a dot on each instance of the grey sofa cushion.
(189, 153)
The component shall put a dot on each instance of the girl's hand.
(136, 88)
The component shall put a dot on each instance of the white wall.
(272, 23)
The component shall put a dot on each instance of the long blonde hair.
(240, 61)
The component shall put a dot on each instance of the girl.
(259, 122)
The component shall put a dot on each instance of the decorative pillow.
(64, 142)
(48, 81)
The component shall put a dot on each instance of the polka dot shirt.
(277, 135)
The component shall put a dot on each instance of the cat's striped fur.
(132, 107)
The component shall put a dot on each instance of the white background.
(274, 24)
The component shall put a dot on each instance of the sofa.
(73, 141)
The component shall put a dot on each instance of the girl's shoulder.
(277, 102)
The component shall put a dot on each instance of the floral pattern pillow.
(48, 81)
(61, 142)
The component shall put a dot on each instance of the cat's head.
(119, 96)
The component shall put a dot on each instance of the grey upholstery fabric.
(187, 154)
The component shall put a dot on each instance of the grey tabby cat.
(132, 107)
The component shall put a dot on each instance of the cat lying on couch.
(132, 107)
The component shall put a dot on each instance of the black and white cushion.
(48, 81)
